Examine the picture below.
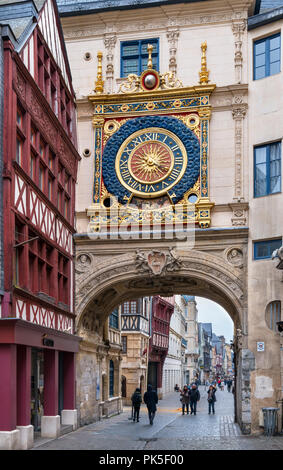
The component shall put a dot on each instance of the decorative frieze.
(109, 43)
(158, 22)
(239, 110)
(238, 28)
(172, 36)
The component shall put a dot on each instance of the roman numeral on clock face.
(174, 174)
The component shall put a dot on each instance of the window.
(267, 169)
(134, 56)
(114, 319)
(19, 118)
(50, 188)
(264, 249)
(273, 314)
(32, 167)
(267, 56)
(19, 151)
(41, 177)
(33, 137)
(124, 344)
(130, 307)
(111, 379)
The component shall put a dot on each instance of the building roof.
(269, 4)
(85, 7)
(18, 15)
(18, 19)
(267, 11)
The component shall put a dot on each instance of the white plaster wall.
(265, 222)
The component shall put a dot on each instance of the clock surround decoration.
(182, 173)
(154, 105)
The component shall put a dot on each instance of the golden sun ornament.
(151, 162)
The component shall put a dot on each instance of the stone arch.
(109, 281)
(197, 273)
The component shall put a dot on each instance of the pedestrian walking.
(229, 385)
(222, 385)
(150, 398)
(211, 398)
(185, 399)
(136, 403)
(194, 398)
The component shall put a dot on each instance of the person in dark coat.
(211, 398)
(185, 399)
(194, 398)
(136, 401)
(150, 398)
(229, 385)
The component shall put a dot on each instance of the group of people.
(189, 397)
(222, 382)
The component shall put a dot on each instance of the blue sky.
(211, 312)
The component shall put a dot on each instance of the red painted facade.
(39, 176)
(162, 310)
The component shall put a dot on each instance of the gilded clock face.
(150, 162)
(150, 157)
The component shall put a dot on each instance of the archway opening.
(122, 285)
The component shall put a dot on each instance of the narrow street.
(170, 431)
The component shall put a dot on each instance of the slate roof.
(83, 7)
(18, 15)
(270, 4)
(270, 11)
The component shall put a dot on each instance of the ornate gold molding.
(204, 73)
(99, 84)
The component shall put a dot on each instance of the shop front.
(37, 393)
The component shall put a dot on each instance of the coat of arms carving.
(157, 262)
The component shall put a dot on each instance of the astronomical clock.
(151, 149)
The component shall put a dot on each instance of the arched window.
(273, 314)
(111, 378)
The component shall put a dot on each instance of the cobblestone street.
(170, 431)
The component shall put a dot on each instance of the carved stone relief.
(172, 36)
(109, 43)
(157, 262)
(238, 28)
(235, 257)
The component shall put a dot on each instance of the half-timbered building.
(162, 310)
(135, 332)
(37, 341)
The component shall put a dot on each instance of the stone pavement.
(170, 431)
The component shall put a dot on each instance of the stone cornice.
(226, 97)
(169, 16)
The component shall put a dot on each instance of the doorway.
(37, 387)
(152, 374)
